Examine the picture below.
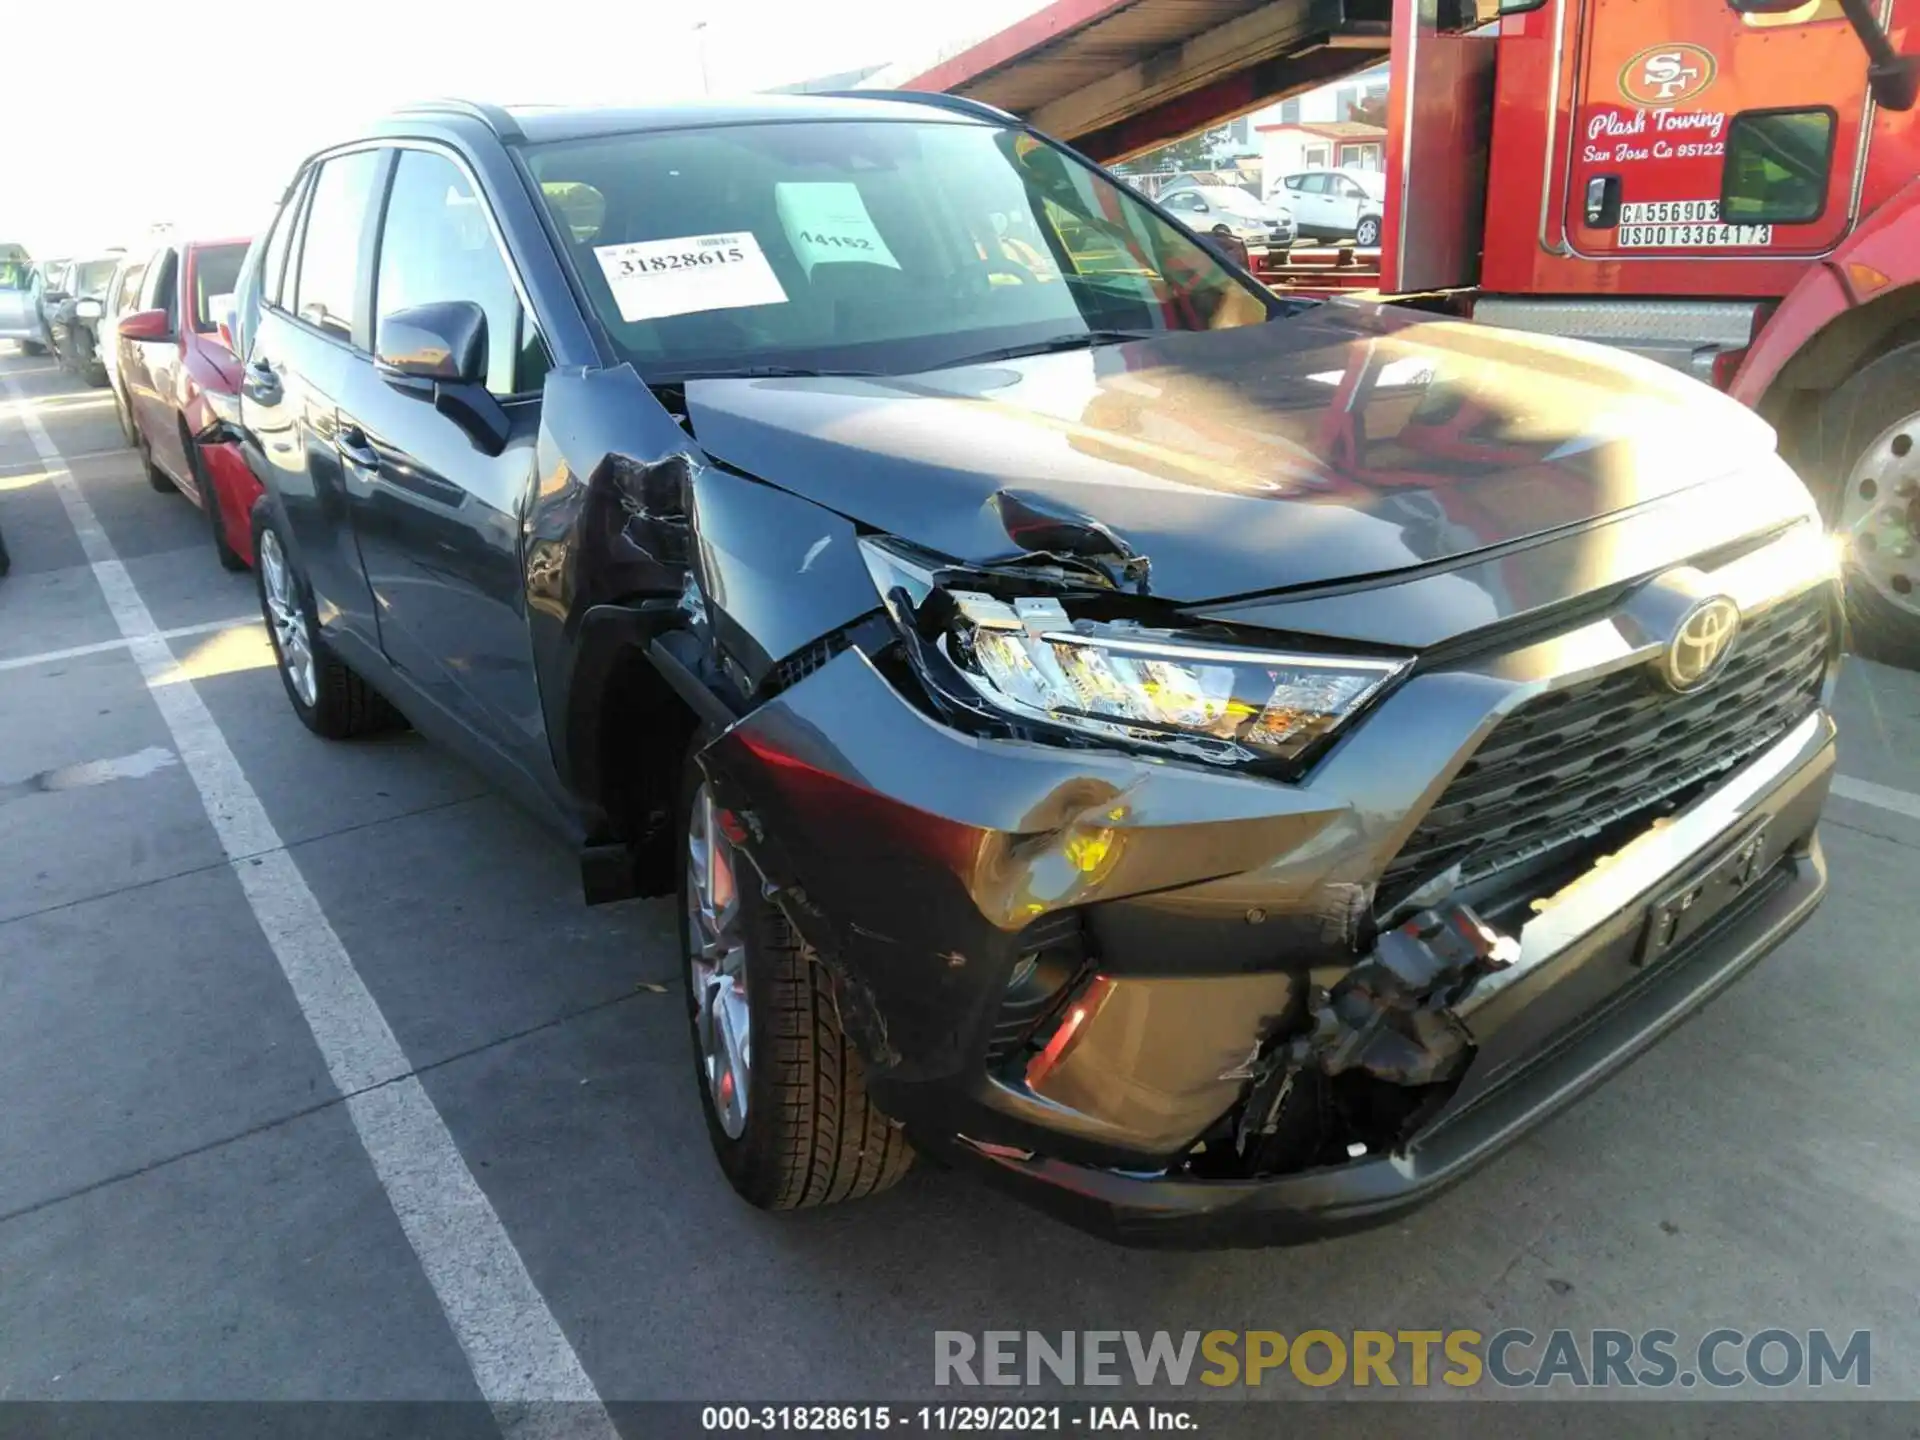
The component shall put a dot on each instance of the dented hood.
(1347, 441)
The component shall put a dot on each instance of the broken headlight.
(1026, 658)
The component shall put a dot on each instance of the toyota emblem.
(1701, 644)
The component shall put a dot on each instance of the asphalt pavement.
(199, 1200)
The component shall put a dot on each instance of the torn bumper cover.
(1129, 988)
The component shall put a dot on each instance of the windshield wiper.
(753, 372)
(1079, 340)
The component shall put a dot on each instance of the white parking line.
(1901, 802)
(519, 1355)
(100, 647)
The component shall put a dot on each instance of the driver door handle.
(351, 442)
(261, 384)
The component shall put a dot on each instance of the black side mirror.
(444, 341)
(438, 353)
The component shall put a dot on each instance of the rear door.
(1309, 201)
(1699, 130)
(147, 366)
(315, 331)
(438, 522)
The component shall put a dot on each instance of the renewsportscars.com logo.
(1770, 1357)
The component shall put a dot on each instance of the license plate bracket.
(1684, 909)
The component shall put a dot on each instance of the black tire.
(1366, 234)
(811, 1136)
(1851, 420)
(229, 557)
(344, 705)
(32, 347)
(156, 477)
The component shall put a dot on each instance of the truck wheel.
(783, 1088)
(330, 699)
(1866, 462)
(1366, 234)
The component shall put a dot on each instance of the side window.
(436, 245)
(128, 298)
(1777, 166)
(279, 242)
(329, 276)
(159, 292)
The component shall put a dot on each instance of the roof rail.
(494, 117)
(979, 109)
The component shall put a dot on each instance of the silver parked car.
(19, 315)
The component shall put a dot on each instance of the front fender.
(1878, 262)
(604, 525)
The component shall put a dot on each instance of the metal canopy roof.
(1118, 76)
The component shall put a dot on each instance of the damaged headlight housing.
(1026, 658)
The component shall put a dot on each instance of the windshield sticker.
(651, 279)
(827, 221)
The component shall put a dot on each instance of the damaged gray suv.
(1223, 767)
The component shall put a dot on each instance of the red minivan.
(182, 384)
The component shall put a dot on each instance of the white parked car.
(1336, 204)
(122, 298)
(1229, 210)
(19, 318)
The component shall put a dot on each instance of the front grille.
(1565, 766)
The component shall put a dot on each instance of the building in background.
(1339, 126)
(1325, 145)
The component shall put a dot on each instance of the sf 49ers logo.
(1667, 74)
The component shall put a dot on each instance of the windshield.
(91, 277)
(883, 246)
(1238, 202)
(216, 270)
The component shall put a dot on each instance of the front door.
(1699, 129)
(438, 521)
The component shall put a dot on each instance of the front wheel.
(1367, 233)
(330, 699)
(32, 347)
(1866, 464)
(783, 1088)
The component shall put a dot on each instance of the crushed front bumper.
(928, 867)
(1593, 1010)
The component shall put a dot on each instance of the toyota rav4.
(1222, 766)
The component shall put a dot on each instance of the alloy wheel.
(717, 965)
(1880, 516)
(288, 617)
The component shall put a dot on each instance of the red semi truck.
(1732, 188)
